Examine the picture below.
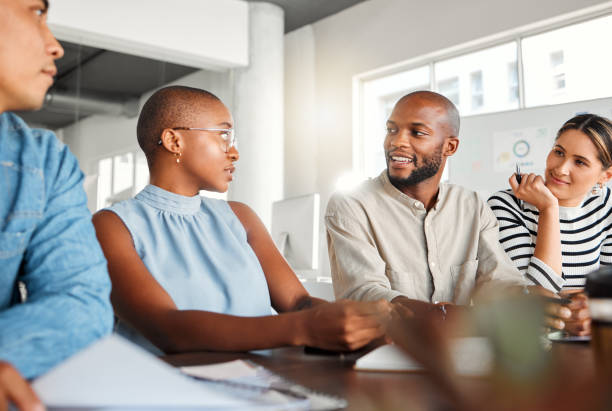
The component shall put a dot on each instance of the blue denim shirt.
(47, 243)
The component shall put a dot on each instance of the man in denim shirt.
(54, 286)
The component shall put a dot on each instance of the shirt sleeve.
(515, 238)
(65, 275)
(357, 269)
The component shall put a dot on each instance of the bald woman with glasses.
(192, 273)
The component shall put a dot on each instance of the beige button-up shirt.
(383, 243)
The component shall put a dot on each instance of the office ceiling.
(299, 13)
(90, 75)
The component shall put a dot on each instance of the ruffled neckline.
(165, 200)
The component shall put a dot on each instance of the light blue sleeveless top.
(197, 250)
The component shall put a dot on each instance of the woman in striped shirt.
(557, 228)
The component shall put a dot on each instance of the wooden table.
(334, 374)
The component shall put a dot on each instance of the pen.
(519, 177)
(518, 174)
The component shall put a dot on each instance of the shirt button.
(433, 264)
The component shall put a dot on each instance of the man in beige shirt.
(405, 237)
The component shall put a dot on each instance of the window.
(141, 169)
(123, 172)
(556, 59)
(120, 177)
(475, 82)
(513, 83)
(105, 181)
(476, 85)
(568, 64)
(558, 73)
(450, 89)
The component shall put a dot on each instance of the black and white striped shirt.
(586, 238)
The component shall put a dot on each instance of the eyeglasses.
(226, 134)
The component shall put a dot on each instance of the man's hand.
(15, 390)
(440, 311)
(418, 308)
(345, 325)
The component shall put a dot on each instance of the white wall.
(370, 35)
(177, 31)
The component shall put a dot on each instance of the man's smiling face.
(414, 144)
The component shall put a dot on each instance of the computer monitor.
(295, 230)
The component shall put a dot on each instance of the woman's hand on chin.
(533, 190)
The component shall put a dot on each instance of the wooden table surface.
(364, 390)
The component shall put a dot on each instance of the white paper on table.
(113, 373)
(472, 356)
(254, 375)
(230, 370)
(387, 358)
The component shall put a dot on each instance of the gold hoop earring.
(597, 189)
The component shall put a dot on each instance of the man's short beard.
(431, 166)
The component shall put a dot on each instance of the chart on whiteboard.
(527, 147)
